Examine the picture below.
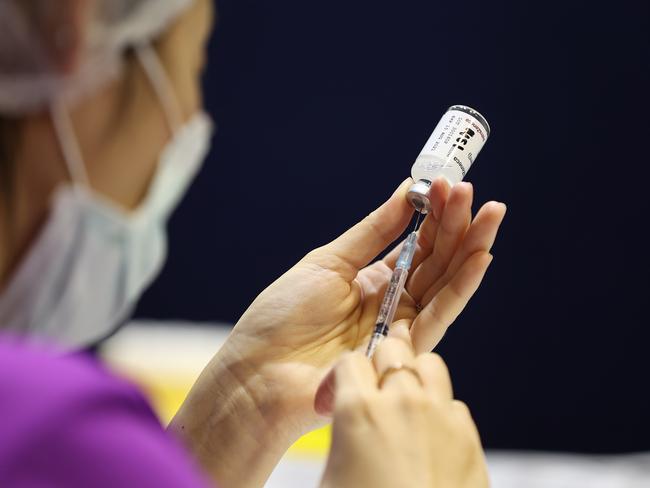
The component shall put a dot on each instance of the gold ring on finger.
(394, 368)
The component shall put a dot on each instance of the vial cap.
(418, 196)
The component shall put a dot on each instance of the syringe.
(394, 290)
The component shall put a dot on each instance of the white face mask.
(92, 259)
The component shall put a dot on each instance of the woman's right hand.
(401, 427)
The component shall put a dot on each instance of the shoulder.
(68, 421)
(59, 378)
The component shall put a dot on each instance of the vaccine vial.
(449, 153)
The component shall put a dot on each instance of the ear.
(61, 26)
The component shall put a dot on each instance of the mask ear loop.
(161, 85)
(69, 144)
(63, 125)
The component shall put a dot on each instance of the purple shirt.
(68, 422)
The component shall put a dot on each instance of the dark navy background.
(322, 108)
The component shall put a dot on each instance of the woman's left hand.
(296, 329)
(328, 303)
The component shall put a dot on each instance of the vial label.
(451, 149)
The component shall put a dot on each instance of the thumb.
(362, 243)
(325, 393)
(352, 376)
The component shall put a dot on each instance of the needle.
(417, 221)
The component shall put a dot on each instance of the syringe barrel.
(393, 292)
(392, 297)
(388, 307)
(408, 251)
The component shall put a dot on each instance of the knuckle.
(432, 364)
(426, 359)
(320, 258)
(467, 444)
(314, 254)
(438, 364)
(415, 400)
(465, 424)
(372, 220)
(462, 409)
(352, 407)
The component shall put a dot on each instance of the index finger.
(435, 375)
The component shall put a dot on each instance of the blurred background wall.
(322, 108)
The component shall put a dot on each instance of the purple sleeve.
(67, 422)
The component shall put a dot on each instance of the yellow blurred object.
(165, 360)
(314, 444)
(166, 397)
